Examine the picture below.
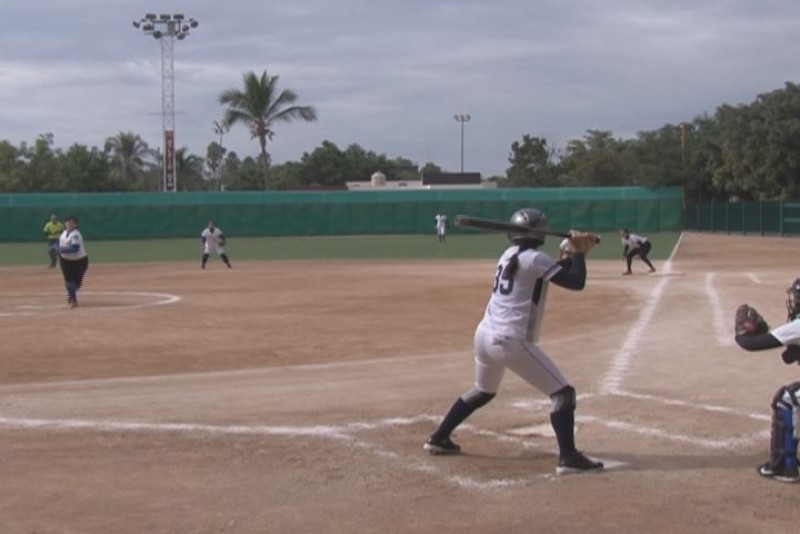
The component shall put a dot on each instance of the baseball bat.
(468, 221)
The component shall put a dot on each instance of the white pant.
(493, 354)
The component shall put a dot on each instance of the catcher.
(508, 337)
(213, 241)
(754, 334)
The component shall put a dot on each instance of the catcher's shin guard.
(784, 434)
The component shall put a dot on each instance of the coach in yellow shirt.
(53, 229)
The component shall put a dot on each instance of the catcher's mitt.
(583, 242)
(748, 322)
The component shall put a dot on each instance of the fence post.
(713, 217)
(744, 220)
(728, 218)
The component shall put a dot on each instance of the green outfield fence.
(272, 213)
(764, 218)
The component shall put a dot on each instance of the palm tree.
(189, 170)
(129, 153)
(259, 105)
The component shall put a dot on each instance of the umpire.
(74, 260)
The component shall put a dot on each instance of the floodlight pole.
(166, 28)
(462, 118)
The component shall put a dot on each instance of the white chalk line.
(344, 433)
(754, 278)
(692, 405)
(161, 299)
(612, 382)
(723, 336)
(709, 443)
(621, 363)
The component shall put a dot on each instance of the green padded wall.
(163, 215)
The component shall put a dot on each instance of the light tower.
(166, 28)
(462, 118)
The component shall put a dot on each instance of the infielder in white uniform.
(441, 226)
(783, 462)
(213, 241)
(507, 338)
(635, 245)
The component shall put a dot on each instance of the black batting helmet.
(530, 218)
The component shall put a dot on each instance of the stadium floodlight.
(462, 118)
(166, 28)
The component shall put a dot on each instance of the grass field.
(484, 245)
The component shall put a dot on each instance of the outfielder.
(213, 241)
(53, 228)
(753, 334)
(74, 259)
(635, 245)
(441, 226)
(507, 338)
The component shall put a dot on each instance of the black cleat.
(780, 474)
(577, 463)
(441, 446)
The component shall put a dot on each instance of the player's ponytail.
(513, 261)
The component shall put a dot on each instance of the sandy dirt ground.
(294, 397)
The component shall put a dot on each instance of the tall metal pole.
(221, 128)
(166, 28)
(683, 143)
(462, 118)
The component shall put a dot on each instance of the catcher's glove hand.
(583, 242)
(748, 322)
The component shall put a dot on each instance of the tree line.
(749, 152)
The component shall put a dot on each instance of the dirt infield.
(294, 397)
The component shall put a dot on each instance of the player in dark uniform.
(783, 463)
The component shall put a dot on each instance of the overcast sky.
(391, 74)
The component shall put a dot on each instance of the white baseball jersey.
(212, 239)
(789, 333)
(633, 241)
(516, 306)
(441, 222)
(70, 244)
(506, 336)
